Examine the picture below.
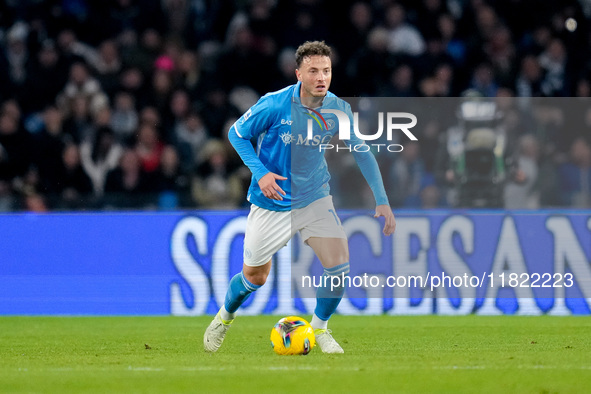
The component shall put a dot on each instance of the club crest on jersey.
(286, 138)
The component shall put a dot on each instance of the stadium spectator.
(429, 137)
(130, 14)
(479, 22)
(215, 186)
(12, 108)
(302, 21)
(127, 185)
(106, 62)
(171, 52)
(34, 202)
(171, 182)
(261, 20)
(29, 194)
(47, 147)
(14, 60)
(483, 80)
(530, 78)
(149, 115)
(445, 78)
(161, 86)
(177, 15)
(286, 66)
(454, 46)
(65, 40)
(553, 61)
(400, 83)
(575, 176)
(46, 78)
(369, 68)
(241, 49)
(190, 138)
(82, 84)
(178, 109)
(354, 34)
(431, 197)
(500, 51)
(583, 88)
(78, 122)
(15, 152)
(190, 74)
(142, 55)
(547, 127)
(132, 81)
(406, 177)
(124, 119)
(148, 147)
(74, 188)
(403, 37)
(520, 191)
(216, 109)
(100, 156)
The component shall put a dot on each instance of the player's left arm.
(371, 172)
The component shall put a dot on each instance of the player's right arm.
(250, 125)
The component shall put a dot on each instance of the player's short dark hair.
(311, 48)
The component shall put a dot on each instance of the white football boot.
(215, 334)
(326, 342)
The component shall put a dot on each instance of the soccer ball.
(292, 335)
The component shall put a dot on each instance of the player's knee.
(336, 260)
(257, 275)
(257, 278)
(338, 257)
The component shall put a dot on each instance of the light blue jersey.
(279, 122)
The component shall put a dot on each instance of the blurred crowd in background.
(125, 104)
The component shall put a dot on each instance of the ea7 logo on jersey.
(287, 122)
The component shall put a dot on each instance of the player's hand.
(386, 212)
(269, 186)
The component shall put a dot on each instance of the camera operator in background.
(474, 160)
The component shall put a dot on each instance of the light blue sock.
(238, 292)
(327, 298)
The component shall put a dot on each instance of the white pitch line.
(144, 369)
(317, 368)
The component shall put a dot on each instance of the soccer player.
(290, 194)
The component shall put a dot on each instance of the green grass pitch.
(413, 354)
